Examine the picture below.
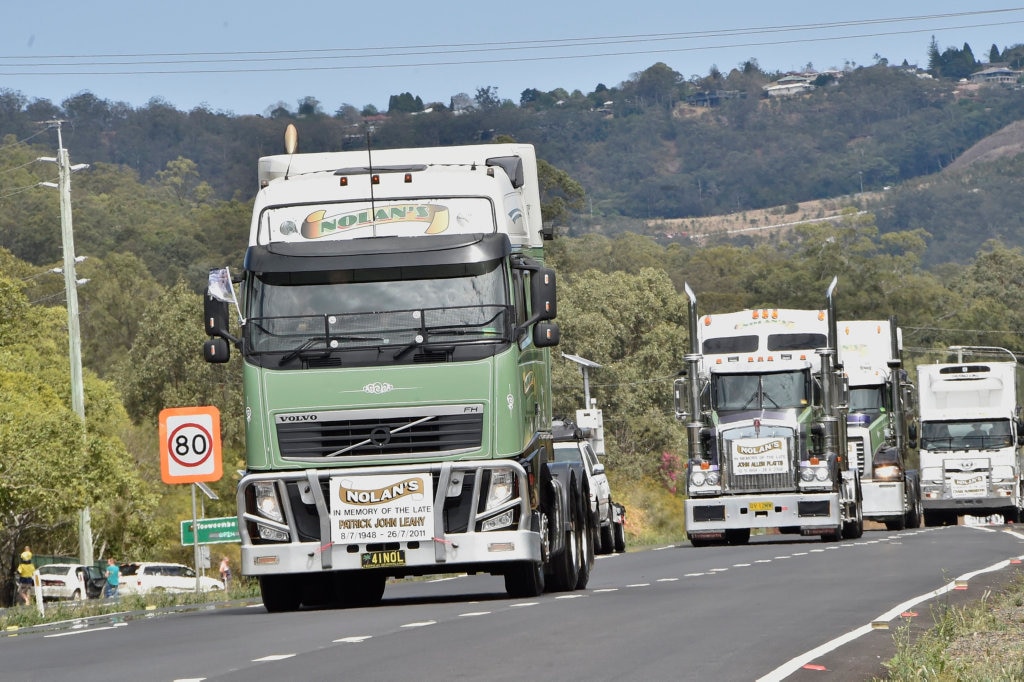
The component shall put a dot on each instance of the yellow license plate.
(761, 506)
(383, 559)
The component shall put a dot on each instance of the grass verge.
(981, 641)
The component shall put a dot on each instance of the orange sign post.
(190, 444)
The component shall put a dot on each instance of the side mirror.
(216, 350)
(543, 299)
(215, 316)
(912, 435)
(679, 399)
(546, 334)
(598, 468)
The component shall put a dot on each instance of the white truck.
(764, 403)
(396, 326)
(880, 423)
(970, 441)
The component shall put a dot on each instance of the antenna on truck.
(291, 143)
(373, 205)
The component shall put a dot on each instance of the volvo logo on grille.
(380, 436)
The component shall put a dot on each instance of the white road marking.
(272, 657)
(739, 565)
(353, 640)
(794, 664)
(524, 603)
(667, 580)
(473, 613)
(639, 585)
(570, 596)
(421, 624)
(87, 630)
(607, 589)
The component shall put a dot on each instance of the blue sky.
(245, 57)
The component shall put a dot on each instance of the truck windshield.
(779, 390)
(868, 400)
(320, 312)
(968, 434)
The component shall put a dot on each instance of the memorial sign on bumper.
(381, 509)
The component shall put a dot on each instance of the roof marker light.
(343, 181)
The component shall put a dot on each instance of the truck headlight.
(698, 478)
(501, 488)
(888, 472)
(267, 503)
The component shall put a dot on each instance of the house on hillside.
(997, 75)
(793, 84)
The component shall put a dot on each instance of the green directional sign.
(211, 531)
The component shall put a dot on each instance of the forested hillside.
(642, 149)
(935, 242)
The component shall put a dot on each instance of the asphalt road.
(769, 610)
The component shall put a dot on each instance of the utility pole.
(65, 169)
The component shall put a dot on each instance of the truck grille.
(760, 482)
(362, 433)
(858, 451)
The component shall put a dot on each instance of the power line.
(269, 57)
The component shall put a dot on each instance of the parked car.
(66, 581)
(571, 447)
(144, 577)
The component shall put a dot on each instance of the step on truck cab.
(764, 403)
(971, 437)
(396, 324)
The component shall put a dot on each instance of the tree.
(993, 54)
(487, 98)
(51, 463)
(404, 103)
(309, 106)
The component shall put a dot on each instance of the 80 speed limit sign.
(190, 444)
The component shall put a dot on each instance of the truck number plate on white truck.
(381, 508)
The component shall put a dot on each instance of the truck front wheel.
(524, 579)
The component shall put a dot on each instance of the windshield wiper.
(308, 343)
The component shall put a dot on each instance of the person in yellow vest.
(26, 569)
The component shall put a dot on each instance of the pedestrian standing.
(225, 571)
(25, 572)
(113, 578)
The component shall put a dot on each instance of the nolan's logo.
(372, 496)
(378, 388)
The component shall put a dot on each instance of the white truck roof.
(749, 340)
(409, 179)
(967, 390)
(866, 348)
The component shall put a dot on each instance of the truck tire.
(607, 543)
(896, 524)
(914, 515)
(280, 593)
(620, 537)
(524, 579)
(566, 564)
(586, 560)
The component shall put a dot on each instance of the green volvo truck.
(395, 328)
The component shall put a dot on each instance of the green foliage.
(979, 641)
(51, 464)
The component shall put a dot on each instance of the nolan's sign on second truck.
(211, 531)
